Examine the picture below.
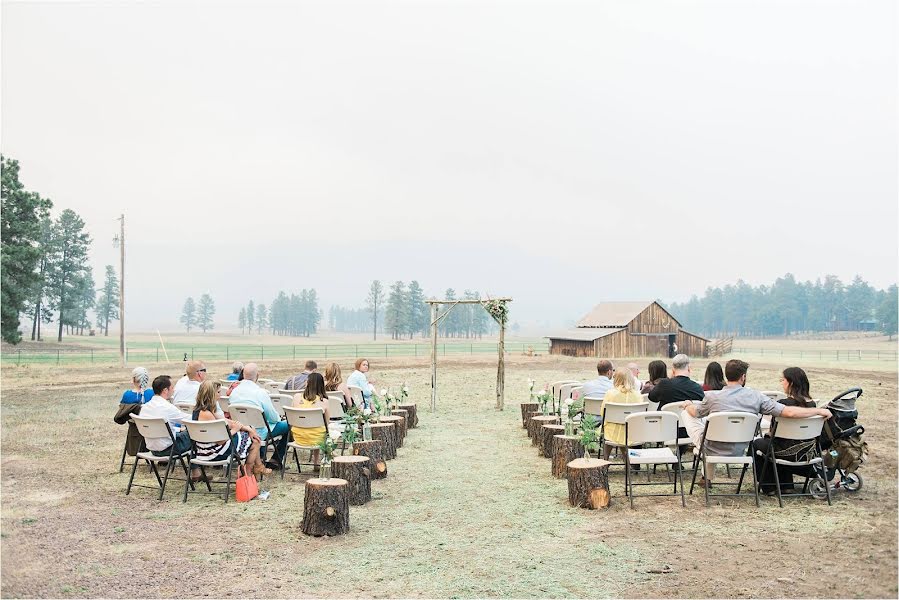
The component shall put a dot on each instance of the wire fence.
(244, 353)
(822, 355)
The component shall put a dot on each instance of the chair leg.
(184, 498)
(124, 453)
(629, 482)
(155, 472)
(228, 480)
(296, 458)
(131, 479)
(705, 472)
(780, 499)
(695, 468)
(755, 484)
(742, 475)
(680, 477)
(165, 480)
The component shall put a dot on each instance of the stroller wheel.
(818, 489)
(852, 482)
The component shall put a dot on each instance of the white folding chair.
(156, 427)
(616, 413)
(335, 406)
(279, 401)
(654, 427)
(255, 418)
(271, 386)
(211, 432)
(593, 406)
(224, 404)
(798, 430)
(185, 406)
(556, 391)
(775, 395)
(357, 396)
(653, 406)
(303, 418)
(730, 428)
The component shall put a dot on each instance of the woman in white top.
(359, 379)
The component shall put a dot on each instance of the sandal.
(261, 470)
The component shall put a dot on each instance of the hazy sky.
(560, 153)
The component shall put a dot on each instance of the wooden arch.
(496, 308)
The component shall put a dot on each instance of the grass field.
(468, 509)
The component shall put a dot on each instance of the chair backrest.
(185, 406)
(556, 388)
(335, 405)
(652, 405)
(305, 418)
(806, 428)
(675, 407)
(356, 394)
(151, 427)
(648, 427)
(733, 427)
(207, 431)
(224, 404)
(285, 391)
(565, 390)
(593, 406)
(775, 395)
(618, 412)
(271, 385)
(279, 401)
(248, 415)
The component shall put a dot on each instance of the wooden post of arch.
(501, 345)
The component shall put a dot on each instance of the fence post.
(227, 353)
(444, 349)
(357, 351)
(326, 351)
(92, 356)
(471, 348)
(416, 349)
(191, 353)
(261, 352)
(57, 356)
(19, 358)
(157, 354)
(294, 352)
(385, 350)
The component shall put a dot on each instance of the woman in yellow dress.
(622, 392)
(314, 396)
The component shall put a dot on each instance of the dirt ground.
(468, 509)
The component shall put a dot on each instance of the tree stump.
(326, 507)
(566, 448)
(374, 450)
(547, 432)
(538, 422)
(354, 469)
(413, 414)
(398, 428)
(529, 422)
(399, 412)
(526, 409)
(588, 483)
(386, 432)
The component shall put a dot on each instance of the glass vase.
(366, 432)
(325, 469)
(569, 427)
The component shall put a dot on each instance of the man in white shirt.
(187, 387)
(597, 388)
(249, 393)
(160, 406)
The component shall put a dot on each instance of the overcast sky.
(560, 153)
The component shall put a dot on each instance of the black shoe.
(275, 466)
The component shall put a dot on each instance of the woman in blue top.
(140, 392)
(359, 379)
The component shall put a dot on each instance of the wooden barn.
(623, 329)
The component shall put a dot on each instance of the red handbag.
(245, 488)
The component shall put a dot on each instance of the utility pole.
(119, 241)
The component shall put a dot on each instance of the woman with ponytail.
(140, 392)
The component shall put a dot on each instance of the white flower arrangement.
(366, 411)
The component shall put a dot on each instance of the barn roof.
(585, 334)
(694, 335)
(614, 314)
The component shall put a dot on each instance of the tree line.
(789, 306)
(295, 315)
(45, 271)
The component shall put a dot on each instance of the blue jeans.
(282, 429)
(182, 445)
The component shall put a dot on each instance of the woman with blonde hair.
(314, 396)
(622, 392)
(334, 383)
(244, 441)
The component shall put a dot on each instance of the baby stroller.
(841, 442)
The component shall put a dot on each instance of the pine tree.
(21, 214)
(262, 318)
(108, 302)
(41, 311)
(251, 316)
(374, 301)
(396, 315)
(888, 311)
(419, 314)
(242, 319)
(69, 262)
(205, 313)
(189, 314)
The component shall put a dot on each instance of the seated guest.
(359, 378)
(298, 381)
(796, 387)
(187, 387)
(160, 406)
(657, 372)
(597, 388)
(714, 377)
(140, 392)
(249, 393)
(736, 397)
(313, 396)
(334, 383)
(679, 387)
(623, 392)
(244, 441)
(635, 371)
(236, 368)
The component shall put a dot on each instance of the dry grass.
(468, 509)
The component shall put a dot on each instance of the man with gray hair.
(249, 393)
(679, 387)
(236, 368)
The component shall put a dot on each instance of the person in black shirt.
(679, 387)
